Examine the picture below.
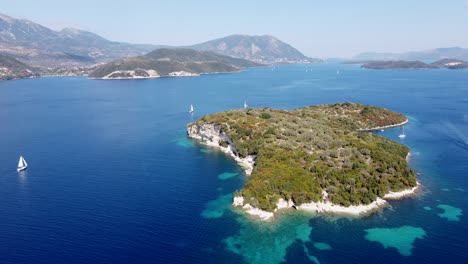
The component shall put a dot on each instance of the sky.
(318, 28)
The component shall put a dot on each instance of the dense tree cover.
(303, 152)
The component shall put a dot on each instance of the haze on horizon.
(335, 28)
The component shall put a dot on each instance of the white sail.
(22, 164)
(245, 104)
(191, 109)
(402, 135)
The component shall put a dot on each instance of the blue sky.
(317, 28)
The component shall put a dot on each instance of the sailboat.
(22, 164)
(402, 135)
(245, 105)
(191, 109)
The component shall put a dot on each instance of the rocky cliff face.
(212, 135)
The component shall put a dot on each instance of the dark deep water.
(113, 179)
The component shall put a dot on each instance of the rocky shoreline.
(324, 206)
(384, 127)
(211, 135)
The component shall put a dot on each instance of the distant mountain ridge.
(37, 45)
(40, 46)
(425, 55)
(262, 49)
(170, 62)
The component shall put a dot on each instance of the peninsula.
(317, 158)
(170, 62)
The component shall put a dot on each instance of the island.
(319, 158)
(170, 62)
(403, 64)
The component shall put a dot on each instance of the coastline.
(211, 135)
(402, 194)
(325, 207)
(384, 127)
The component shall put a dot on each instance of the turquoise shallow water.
(113, 178)
(401, 238)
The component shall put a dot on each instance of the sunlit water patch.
(401, 238)
(258, 242)
(450, 213)
(427, 208)
(227, 175)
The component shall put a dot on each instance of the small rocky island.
(319, 158)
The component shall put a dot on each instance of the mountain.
(40, 46)
(37, 45)
(426, 55)
(170, 62)
(262, 49)
(10, 68)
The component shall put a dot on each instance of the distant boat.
(245, 105)
(402, 135)
(22, 164)
(191, 109)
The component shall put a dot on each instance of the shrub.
(265, 115)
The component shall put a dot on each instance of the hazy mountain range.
(29, 49)
(262, 49)
(425, 55)
(37, 45)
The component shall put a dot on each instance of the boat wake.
(454, 135)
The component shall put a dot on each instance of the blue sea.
(112, 177)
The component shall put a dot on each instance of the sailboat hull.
(21, 168)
